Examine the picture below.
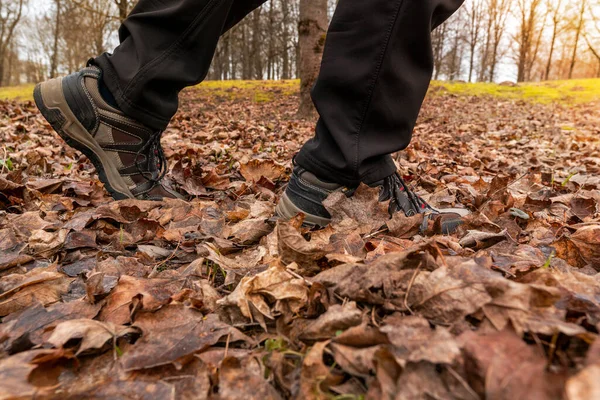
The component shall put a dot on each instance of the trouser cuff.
(128, 107)
(376, 172)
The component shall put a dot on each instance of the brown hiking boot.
(128, 156)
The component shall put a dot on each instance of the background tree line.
(487, 40)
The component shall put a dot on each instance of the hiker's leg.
(375, 73)
(165, 47)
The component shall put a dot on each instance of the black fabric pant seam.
(170, 51)
(376, 76)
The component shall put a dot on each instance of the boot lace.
(402, 198)
(153, 151)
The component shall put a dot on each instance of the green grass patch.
(257, 91)
(22, 92)
(576, 91)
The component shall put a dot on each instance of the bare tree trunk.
(271, 55)
(246, 64)
(474, 30)
(312, 28)
(577, 36)
(256, 45)
(551, 51)
(285, 38)
(534, 53)
(525, 38)
(499, 10)
(10, 64)
(10, 16)
(486, 50)
(54, 59)
(439, 39)
(594, 52)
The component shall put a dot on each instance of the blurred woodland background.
(488, 40)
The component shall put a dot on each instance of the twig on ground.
(464, 383)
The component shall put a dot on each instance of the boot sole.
(287, 210)
(50, 100)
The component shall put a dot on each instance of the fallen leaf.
(253, 170)
(337, 319)
(271, 293)
(237, 381)
(15, 373)
(416, 341)
(362, 208)
(41, 285)
(94, 335)
(174, 333)
(316, 378)
(27, 329)
(501, 365)
(293, 248)
(582, 247)
(481, 240)
(137, 294)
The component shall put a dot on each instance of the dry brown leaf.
(41, 285)
(404, 227)
(271, 293)
(337, 318)
(581, 248)
(502, 366)
(137, 294)
(316, 378)
(416, 341)
(94, 335)
(15, 373)
(28, 328)
(293, 248)
(249, 231)
(244, 381)
(481, 240)
(443, 298)
(253, 170)
(174, 333)
(112, 388)
(363, 210)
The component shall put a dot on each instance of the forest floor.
(216, 298)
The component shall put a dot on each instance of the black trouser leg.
(165, 47)
(375, 73)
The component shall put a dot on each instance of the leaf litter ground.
(216, 298)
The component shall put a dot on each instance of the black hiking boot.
(128, 156)
(305, 194)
